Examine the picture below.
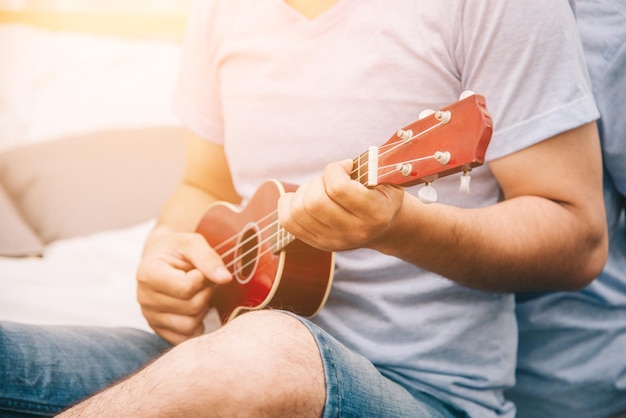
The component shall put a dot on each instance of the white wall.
(142, 6)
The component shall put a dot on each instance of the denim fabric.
(355, 388)
(45, 369)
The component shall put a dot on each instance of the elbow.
(592, 256)
(597, 259)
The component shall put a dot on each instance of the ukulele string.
(397, 167)
(392, 147)
(251, 238)
(235, 236)
(242, 257)
(275, 223)
(253, 249)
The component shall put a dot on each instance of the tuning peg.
(405, 135)
(443, 116)
(406, 169)
(443, 157)
(427, 194)
(466, 94)
(465, 182)
(426, 113)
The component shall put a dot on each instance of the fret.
(281, 239)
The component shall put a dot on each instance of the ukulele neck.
(282, 239)
(365, 168)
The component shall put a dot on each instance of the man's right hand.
(175, 281)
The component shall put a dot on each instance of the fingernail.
(222, 273)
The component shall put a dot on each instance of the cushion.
(93, 182)
(16, 236)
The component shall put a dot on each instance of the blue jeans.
(355, 388)
(44, 370)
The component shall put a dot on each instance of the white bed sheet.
(88, 281)
(80, 281)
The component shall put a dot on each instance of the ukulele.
(273, 269)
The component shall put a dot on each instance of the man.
(571, 350)
(416, 323)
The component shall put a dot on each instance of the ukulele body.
(297, 277)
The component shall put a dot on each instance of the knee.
(268, 357)
(263, 338)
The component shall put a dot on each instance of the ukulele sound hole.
(247, 254)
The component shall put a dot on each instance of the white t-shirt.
(286, 95)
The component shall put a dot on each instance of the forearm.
(184, 208)
(206, 179)
(178, 268)
(523, 244)
(181, 213)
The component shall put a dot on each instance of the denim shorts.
(45, 369)
(355, 388)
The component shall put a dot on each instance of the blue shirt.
(571, 360)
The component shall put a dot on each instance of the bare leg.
(262, 364)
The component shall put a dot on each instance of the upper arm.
(566, 168)
(565, 171)
(207, 169)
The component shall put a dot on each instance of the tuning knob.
(443, 116)
(405, 169)
(427, 194)
(465, 183)
(405, 135)
(426, 113)
(466, 94)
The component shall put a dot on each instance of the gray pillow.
(16, 236)
(93, 182)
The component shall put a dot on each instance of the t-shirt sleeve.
(603, 28)
(195, 99)
(526, 58)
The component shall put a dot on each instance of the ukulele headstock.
(451, 140)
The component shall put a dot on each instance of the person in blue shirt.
(571, 357)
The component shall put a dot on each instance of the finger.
(342, 190)
(174, 337)
(347, 165)
(166, 270)
(160, 302)
(359, 201)
(327, 205)
(170, 336)
(295, 218)
(179, 324)
(159, 275)
(175, 328)
(311, 208)
(205, 259)
(309, 225)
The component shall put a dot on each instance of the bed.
(89, 151)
